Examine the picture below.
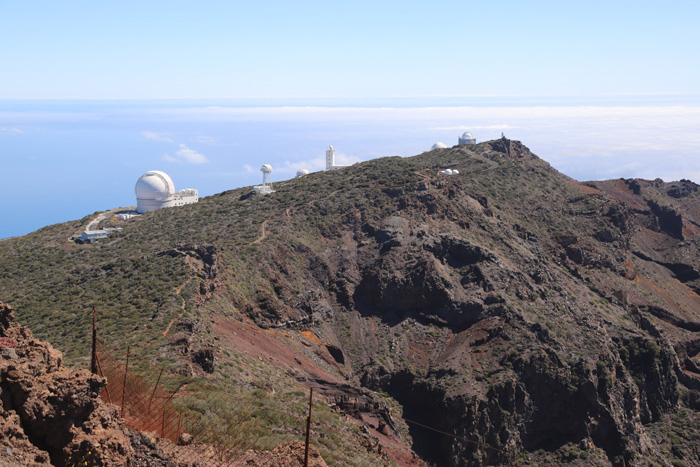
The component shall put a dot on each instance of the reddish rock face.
(51, 415)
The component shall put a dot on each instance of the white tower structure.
(466, 138)
(156, 190)
(330, 159)
(439, 145)
(266, 186)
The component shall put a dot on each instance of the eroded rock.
(51, 414)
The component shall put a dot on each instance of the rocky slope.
(521, 315)
(50, 414)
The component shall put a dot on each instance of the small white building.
(330, 159)
(438, 145)
(302, 172)
(466, 138)
(156, 190)
(90, 236)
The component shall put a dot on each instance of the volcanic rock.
(51, 414)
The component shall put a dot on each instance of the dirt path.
(182, 306)
(263, 233)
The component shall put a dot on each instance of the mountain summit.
(505, 314)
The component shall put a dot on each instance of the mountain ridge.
(509, 305)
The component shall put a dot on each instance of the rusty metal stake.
(93, 363)
(126, 372)
(154, 392)
(308, 429)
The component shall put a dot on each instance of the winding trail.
(182, 306)
(263, 233)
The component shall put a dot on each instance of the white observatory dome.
(448, 172)
(439, 145)
(267, 168)
(154, 184)
(466, 138)
(302, 172)
(455, 172)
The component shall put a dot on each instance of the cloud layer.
(183, 154)
(190, 155)
(153, 136)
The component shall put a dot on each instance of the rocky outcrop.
(204, 259)
(50, 414)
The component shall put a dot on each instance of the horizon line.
(428, 96)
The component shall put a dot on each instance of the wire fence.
(145, 405)
(203, 427)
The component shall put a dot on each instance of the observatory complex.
(330, 159)
(156, 190)
(466, 138)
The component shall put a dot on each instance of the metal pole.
(126, 371)
(93, 365)
(154, 392)
(308, 429)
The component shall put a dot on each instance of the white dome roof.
(154, 184)
(439, 145)
(302, 172)
(267, 168)
(467, 135)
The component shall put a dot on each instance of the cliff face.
(529, 316)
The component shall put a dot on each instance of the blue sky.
(185, 49)
(94, 94)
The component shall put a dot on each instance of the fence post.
(308, 429)
(126, 371)
(93, 363)
(148, 411)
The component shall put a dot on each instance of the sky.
(94, 94)
(223, 48)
